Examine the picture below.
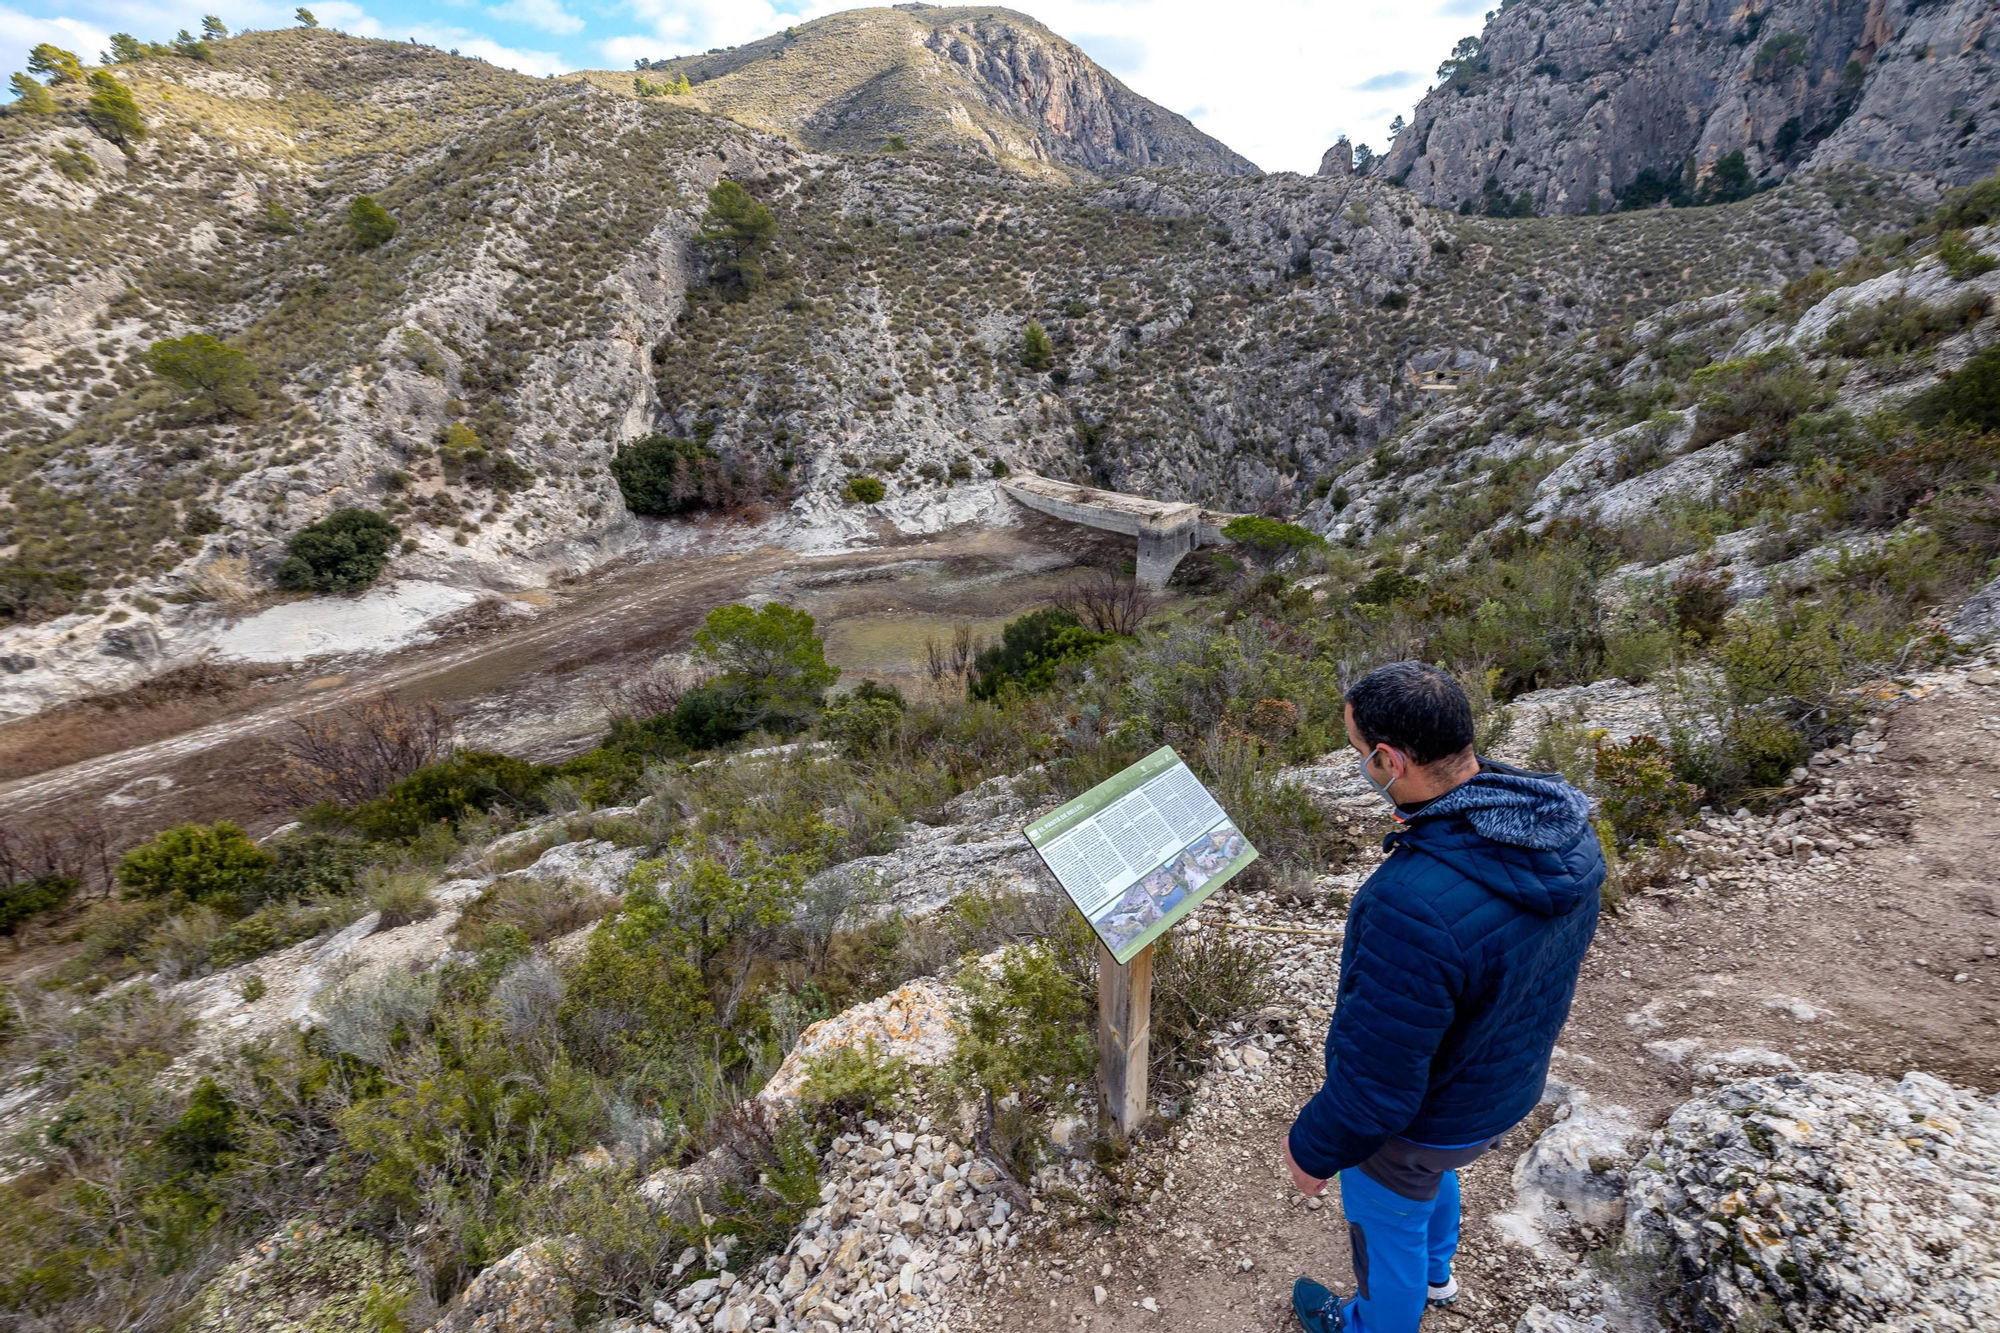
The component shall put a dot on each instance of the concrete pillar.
(1163, 542)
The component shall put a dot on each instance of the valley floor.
(1876, 957)
(528, 679)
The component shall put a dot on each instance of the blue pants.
(1402, 1247)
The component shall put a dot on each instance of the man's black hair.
(1416, 708)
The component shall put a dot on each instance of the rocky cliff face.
(1583, 106)
(981, 80)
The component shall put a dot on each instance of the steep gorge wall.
(1573, 101)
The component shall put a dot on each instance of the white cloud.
(21, 33)
(1276, 80)
(548, 15)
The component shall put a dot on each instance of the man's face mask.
(1381, 788)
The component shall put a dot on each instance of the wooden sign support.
(1124, 1018)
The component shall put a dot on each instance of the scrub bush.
(215, 865)
(343, 552)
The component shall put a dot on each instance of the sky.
(1277, 80)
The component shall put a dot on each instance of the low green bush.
(864, 490)
(215, 865)
(369, 223)
(22, 900)
(447, 792)
(1032, 649)
(1970, 397)
(664, 475)
(343, 552)
(1641, 796)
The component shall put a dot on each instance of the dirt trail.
(1879, 959)
(149, 767)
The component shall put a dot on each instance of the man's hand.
(1308, 1185)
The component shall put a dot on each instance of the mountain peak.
(971, 78)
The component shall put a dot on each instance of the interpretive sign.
(1138, 851)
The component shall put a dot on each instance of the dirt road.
(525, 683)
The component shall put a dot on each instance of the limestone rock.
(522, 1293)
(1844, 1202)
(1570, 103)
(916, 1023)
(1337, 160)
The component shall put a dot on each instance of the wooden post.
(1124, 1018)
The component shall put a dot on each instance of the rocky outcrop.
(1337, 160)
(1827, 1201)
(1575, 106)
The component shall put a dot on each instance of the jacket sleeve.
(1396, 1004)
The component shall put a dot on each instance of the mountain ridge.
(978, 79)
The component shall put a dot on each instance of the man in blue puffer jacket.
(1461, 958)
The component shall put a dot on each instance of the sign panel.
(1140, 850)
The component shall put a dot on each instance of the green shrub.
(865, 720)
(21, 900)
(1028, 1036)
(864, 490)
(1642, 797)
(663, 475)
(1962, 259)
(1031, 650)
(369, 223)
(209, 375)
(1201, 983)
(1970, 206)
(215, 865)
(850, 1084)
(1758, 751)
(343, 552)
(444, 793)
(1759, 395)
(1970, 397)
(1269, 539)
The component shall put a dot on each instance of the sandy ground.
(1883, 961)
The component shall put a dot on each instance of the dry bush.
(540, 909)
(652, 693)
(1106, 603)
(354, 754)
(951, 663)
(80, 848)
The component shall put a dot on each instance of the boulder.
(1835, 1202)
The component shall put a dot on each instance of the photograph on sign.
(1139, 850)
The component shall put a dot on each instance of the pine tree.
(305, 17)
(735, 230)
(213, 28)
(212, 377)
(55, 64)
(370, 222)
(125, 48)
(112, 112)
(1037, 352)
(30, 97)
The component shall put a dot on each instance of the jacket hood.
(1525, 836)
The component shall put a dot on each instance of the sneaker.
(1317, 1308)
(1443, 1295)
